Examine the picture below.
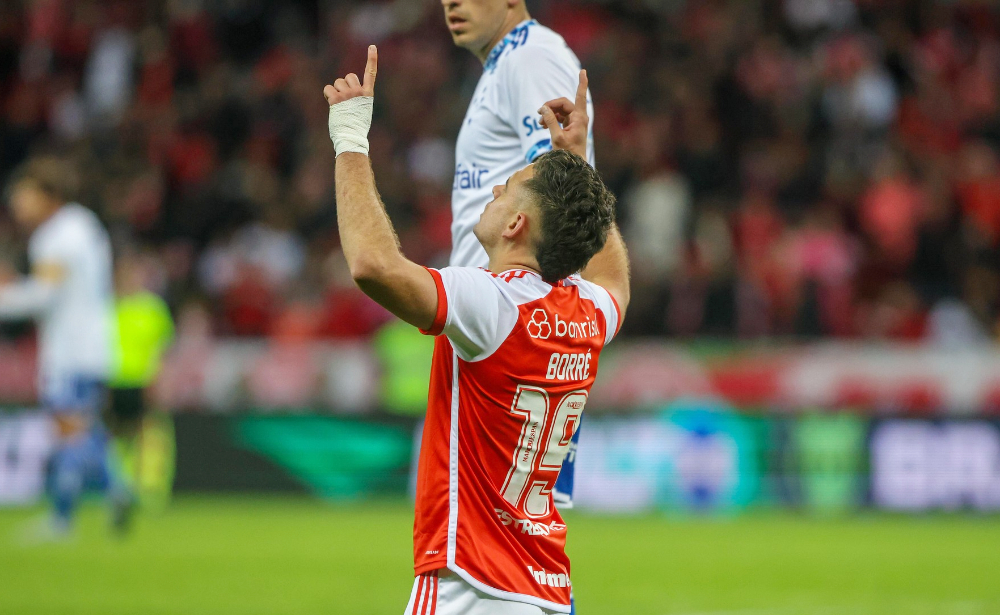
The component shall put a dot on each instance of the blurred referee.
(143, 445)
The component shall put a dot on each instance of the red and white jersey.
(510, 379)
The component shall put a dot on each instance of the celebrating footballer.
(524, 64)
(517, 350)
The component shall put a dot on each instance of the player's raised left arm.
(568, 123)
(369, 242)
(609, 268)
(530, 81)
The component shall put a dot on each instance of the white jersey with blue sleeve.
(75, 331)
(501, 133)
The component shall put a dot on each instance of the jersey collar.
(512, 40)
(524, 271)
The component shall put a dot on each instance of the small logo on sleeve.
(538, 149)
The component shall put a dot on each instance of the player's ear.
(516, 226)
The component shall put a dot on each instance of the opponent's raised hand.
(567, 121)
(351, 100)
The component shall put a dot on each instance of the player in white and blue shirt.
(525, 65)
(500, 133)
(69, 294)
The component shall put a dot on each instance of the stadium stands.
(798, 168)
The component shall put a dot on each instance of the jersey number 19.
(532, 404)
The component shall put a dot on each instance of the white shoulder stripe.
(602, 299)
(522, 286)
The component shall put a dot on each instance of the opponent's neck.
(514, 16)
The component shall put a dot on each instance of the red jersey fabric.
(512, 369)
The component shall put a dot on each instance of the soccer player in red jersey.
(516, 353)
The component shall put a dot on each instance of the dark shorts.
(128, 404)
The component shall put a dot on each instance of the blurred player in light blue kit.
(69, 294)
(525, 65)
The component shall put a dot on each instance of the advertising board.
(924, 465)
(690, 457)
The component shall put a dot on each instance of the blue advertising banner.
(696, 456)
(919, 465)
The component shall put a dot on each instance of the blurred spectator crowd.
(784, 167)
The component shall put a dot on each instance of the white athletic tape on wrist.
(349, 124)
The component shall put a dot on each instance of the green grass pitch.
(271, 556)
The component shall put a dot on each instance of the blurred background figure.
(68, 293)
(142, 439)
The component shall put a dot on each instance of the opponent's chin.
(462, 38)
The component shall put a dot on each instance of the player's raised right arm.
(366, 234)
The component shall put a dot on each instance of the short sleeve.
(613, 316)
(472, 311)
(53, 245)
(605, 302)
(533, 79)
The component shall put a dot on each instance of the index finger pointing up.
(581, 92)
(368, 84)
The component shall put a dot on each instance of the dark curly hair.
(577, 211)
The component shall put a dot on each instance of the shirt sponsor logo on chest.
(469, 176)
